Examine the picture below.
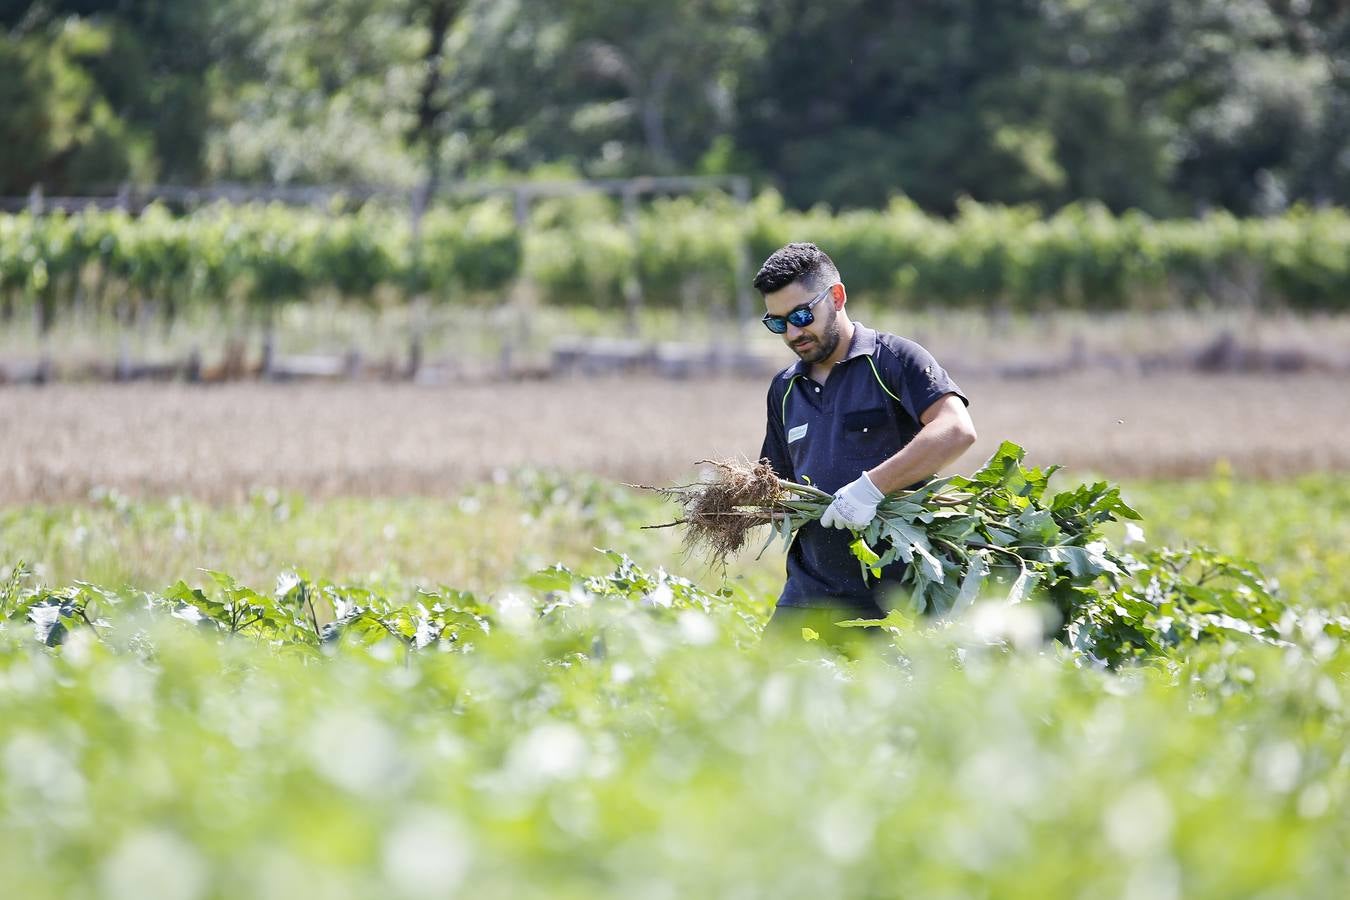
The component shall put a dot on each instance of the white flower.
(1133, 534)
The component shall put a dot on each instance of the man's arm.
(947, 432)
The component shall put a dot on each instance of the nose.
(792, 333)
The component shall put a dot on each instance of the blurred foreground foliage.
(601, 727)
(622, 733)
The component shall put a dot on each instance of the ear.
(839, 295)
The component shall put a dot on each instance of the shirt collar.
(864, 343)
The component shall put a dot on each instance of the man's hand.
(854, 505)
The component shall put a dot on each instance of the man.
(861, 414)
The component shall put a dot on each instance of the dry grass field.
(62, 442)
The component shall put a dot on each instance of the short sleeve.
(919, 377)
(774, 448)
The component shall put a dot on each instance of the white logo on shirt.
(796, 434)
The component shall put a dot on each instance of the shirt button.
(817, 390)
(864, 431)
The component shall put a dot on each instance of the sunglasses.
(801, 316)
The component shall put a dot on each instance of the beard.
(819, 349)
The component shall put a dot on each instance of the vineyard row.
(684, 253)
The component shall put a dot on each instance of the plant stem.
(807, 489)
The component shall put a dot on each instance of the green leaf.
(1081, 563)
(918, 600)
(554, 578)
(976, 574)
(225, 582)
(929, 563)
(859, 623)
(768, 541)
(957, 529)
(1007, 457)
(941, 596)
(1022, 586)
(867, 556)
(999, 537)
(1036, 526)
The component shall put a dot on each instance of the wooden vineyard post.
(632, 284)
(745, 301)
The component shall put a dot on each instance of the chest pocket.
(868, 434)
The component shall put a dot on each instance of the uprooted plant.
(995, 533)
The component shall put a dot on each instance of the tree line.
(1172, 107)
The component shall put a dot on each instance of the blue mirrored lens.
(778, 324)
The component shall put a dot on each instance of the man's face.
(815, 342)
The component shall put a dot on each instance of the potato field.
(383, 385)
(403, 633)
(398, 641)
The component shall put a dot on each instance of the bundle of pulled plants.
(996, 534)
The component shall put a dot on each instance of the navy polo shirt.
(829, 434)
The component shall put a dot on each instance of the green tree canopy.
(1170, 106)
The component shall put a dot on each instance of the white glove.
(854, 505)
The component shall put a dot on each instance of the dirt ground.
(61, 442)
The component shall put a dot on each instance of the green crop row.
(683, 251)
(620, 734)
(605, 728)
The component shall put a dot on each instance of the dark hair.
(802, 262)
